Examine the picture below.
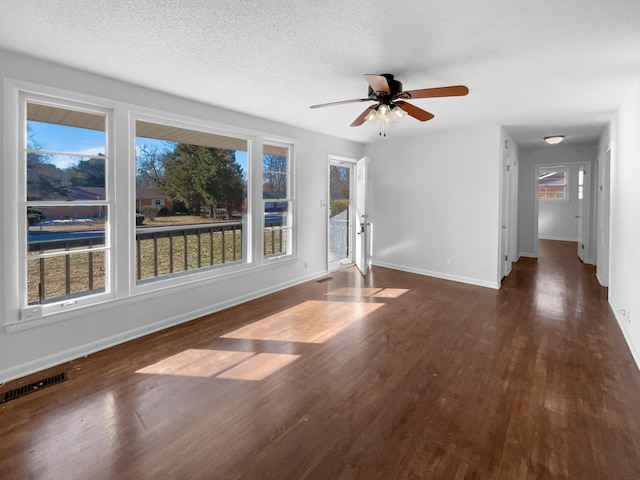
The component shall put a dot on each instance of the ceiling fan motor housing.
(395, 87)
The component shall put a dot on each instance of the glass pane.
(552, 178)
(193, 185)
(65, 227)
(65, 139)
(276, 214)
(275, 179)
(551, 193)
(169, 251)
(65, 276)
(339, 185)
(57, 177)
(276, 241)
(65, 130)
(79, 142)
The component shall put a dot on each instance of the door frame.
(337, 160)
(362, 246)
(585, 248)
(603, 210)
(587, 218)
(504, 236)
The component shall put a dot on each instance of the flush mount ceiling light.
(554, 139)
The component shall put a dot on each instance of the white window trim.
(30, 311)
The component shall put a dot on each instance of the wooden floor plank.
(392, 376)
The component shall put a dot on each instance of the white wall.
(557, 218)
(83, 331)
(624, 271)
(436, 198)
(527, 185)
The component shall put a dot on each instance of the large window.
(65, 202)
(552, 183)
(175, 206)
(277, 200)
(191, 198)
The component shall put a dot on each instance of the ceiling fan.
(390, 98)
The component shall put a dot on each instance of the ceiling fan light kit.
(385, 115)
(390, 98)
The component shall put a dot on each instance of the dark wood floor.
(396, 376)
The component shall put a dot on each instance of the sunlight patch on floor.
(391, 293)
(226, 364)
(309, 322)
(353, 292)
(367, 292)
(197, 363)
(259, 366)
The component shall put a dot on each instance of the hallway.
(396, 376)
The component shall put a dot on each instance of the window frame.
(72, 301)
(203, 273)
(291, 227)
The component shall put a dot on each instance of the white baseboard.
(443, 276)
(59, 358)
(625, 332)
(527, 255)
(601, 280)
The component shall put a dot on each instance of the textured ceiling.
(536, 67)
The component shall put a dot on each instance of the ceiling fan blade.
(360, 120)
(355, 100)
(378, 83)
(454, 91)
(415, 112)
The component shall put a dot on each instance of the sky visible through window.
(59, 138)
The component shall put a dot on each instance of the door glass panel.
(339, 194)
(580, 184)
